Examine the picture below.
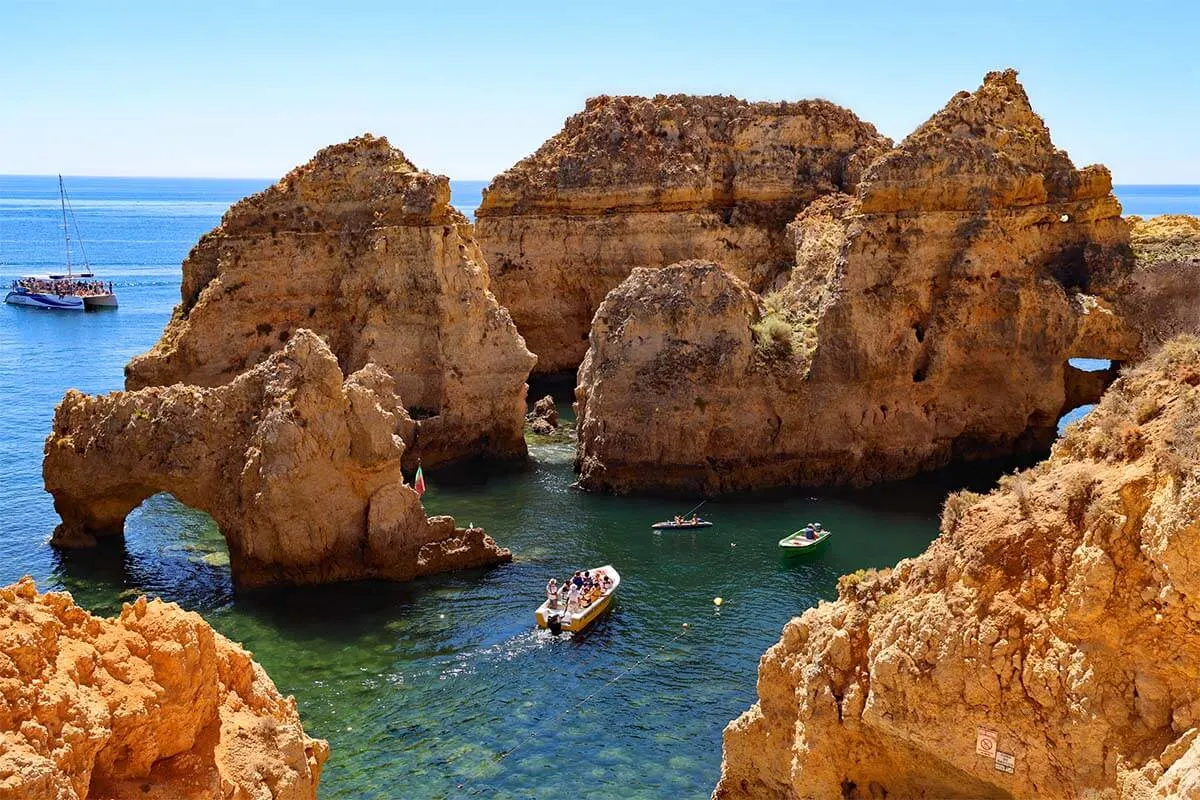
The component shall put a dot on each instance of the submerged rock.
(299, 468)
(928, 318)
(1057, 614)
(644, 182)
(152, 703)
(366, 250)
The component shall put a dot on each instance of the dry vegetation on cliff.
(637, 182)
(1058, 611)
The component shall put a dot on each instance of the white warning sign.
(1005, 762)
(985, 742)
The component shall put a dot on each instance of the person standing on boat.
(552, 593)
(573, 598)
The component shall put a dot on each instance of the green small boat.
(799, 542)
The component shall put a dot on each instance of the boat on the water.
(72, 290)
(686, 522)
(806, 540)
(681, 524)
(558, 615)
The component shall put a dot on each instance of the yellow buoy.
(717, 601)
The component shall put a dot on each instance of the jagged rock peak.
(360, 183)
(365, 249)
(986, 148)
(998, 112)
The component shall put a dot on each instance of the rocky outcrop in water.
(1162, 297)
(299, 468)
(543, 420)
(151, 704)
(1055, 617)
(644, 182)
(365, 249)
(928, 318)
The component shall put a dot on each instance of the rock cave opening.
(167, 548)
(560, 385)
(1086, 379)
(1070, 268)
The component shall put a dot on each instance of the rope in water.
(533, 734)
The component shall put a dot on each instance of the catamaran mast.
(62, 198)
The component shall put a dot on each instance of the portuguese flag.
(419, 482)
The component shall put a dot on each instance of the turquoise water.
(425, 687)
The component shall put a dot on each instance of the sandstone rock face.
(152, 704)
(1059, 611)
(543, 420)
(928, 318)
(644, 182)
(363, 248)
(1162, 297)
(299, 468)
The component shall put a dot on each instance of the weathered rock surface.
(1059, 611)
(1162, 297)
(543, 420)
(299, 468)
(928, 318)
(365, 249)
(152, 704)
(644, 182)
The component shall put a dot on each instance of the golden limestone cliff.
(300, 469)
(1058, 617)
(1162, 296)
(366, 250)
(644, 182)
(152, 705)
(928, 318)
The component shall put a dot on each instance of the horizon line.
(227, 177)
(276, 180)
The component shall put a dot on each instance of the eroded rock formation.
(1059, 612)
(299, 468)
(1162, 297)
(365, 249)
(929, 317)
(152, 704)
(543, 420)
(644, 182)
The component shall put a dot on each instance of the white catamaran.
(65, 291)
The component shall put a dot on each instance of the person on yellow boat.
(552, 593)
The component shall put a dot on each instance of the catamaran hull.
(99, 301)
(52, 301)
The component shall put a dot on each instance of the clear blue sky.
(251, 88)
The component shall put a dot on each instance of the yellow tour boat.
(557, 615)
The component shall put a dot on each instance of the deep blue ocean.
(424, 688)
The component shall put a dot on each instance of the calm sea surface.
(425, 687)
